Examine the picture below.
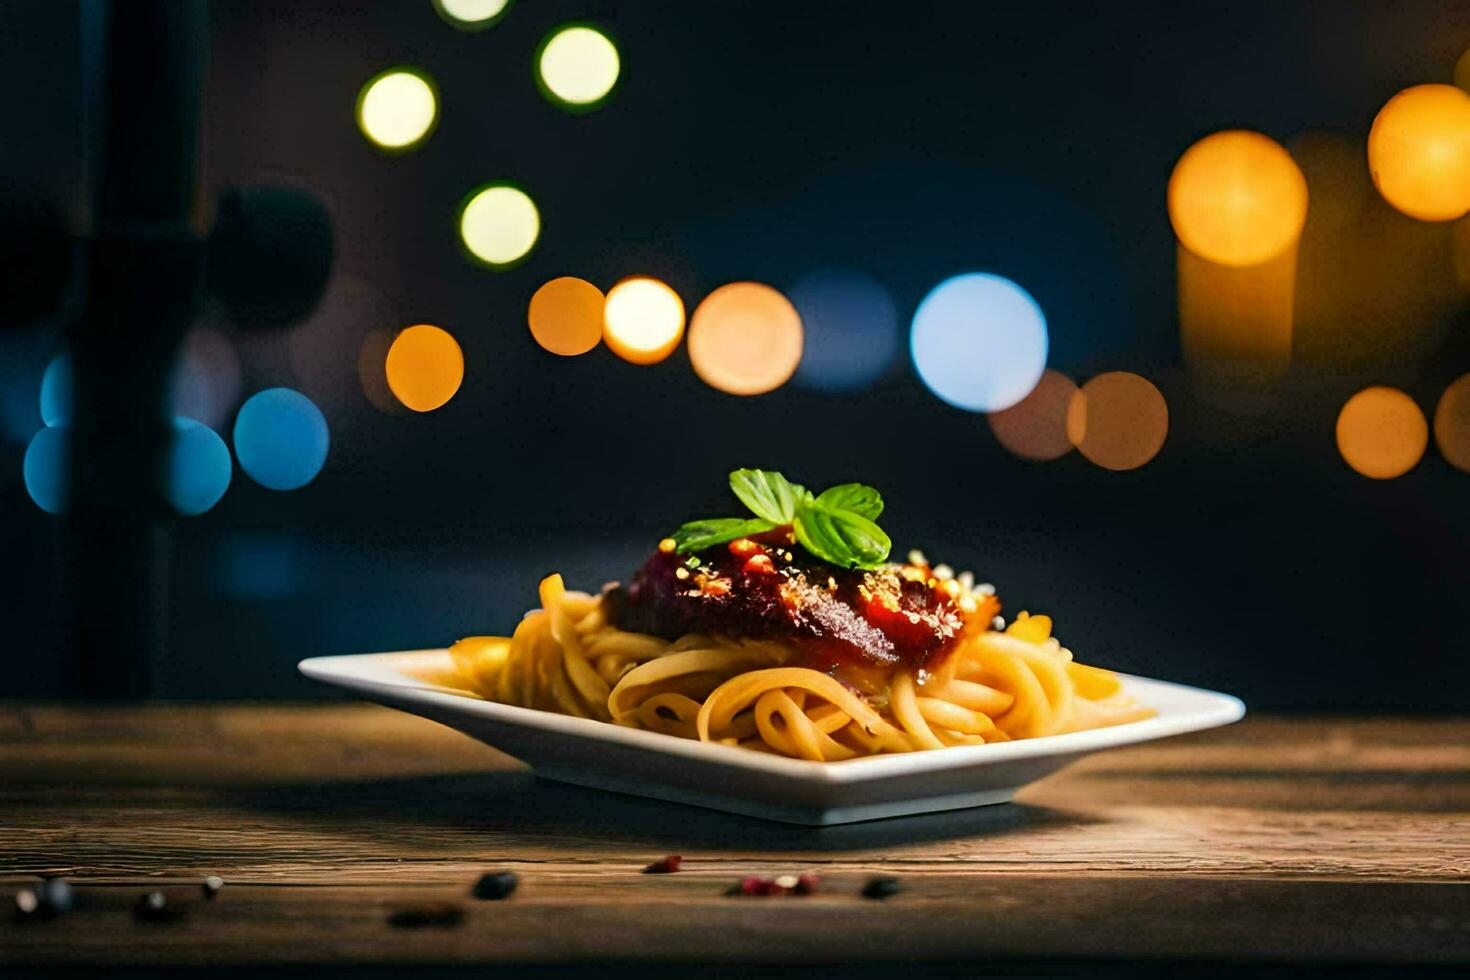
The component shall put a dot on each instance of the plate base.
(782, 813)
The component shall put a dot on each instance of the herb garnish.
(836, 525)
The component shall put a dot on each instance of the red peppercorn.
(753, 886)
(664, 866)
(759, 565)
(744, 548)
(806, 884)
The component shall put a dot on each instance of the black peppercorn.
(495, 886)
(881, 888)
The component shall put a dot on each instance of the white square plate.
(629, 760)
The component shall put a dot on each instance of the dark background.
(760, 141)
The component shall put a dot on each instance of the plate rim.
(1216, 709)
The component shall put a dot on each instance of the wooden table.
(1274, 841)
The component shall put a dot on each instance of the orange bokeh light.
(1419, 152)
(1035, 428)
(1118, 420)
(425, 367)
(642, 320)
(1452, 424)
(1237, 198)
(1381, 433)
(745, 339)
(565, 316)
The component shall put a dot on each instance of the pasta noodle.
(992, 686)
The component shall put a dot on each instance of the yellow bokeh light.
(1452, 424)
(642, 320)
(578, 66)
(397, 109)
(499, 224)
(565, 316)
(471, 15)
(1419, 152)
(425, 367)
(1237, 198)
(745, 339)
(1381, 433)
(1118, 420)
(1035, 428)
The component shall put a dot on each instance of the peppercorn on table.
(348, 834)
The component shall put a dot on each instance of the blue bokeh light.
(851, 327)
(979, 342)
(56, 391)
(199, 467)
(281, 439)
(46, 469)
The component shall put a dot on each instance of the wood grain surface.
(1275, 841)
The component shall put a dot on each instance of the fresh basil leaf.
(768, 494)
(858, 498)
(698, 535)
(841, 537)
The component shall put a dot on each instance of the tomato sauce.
(768, 587)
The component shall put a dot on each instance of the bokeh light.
(577, 67)
(56, 391)
(205, 384)
(979, 342)
(280, 439)
(499, 224)
(1237, 198)
(199, 467)
(1035, 428)
(471, 15)
(1381, 433)
(850, 329)
(642, 320)
(1118, 420)
(1419, 152)
(1452, 423)
(46, 469)
(425, 367)
(398, 108)
(745, 339)
(565, 316)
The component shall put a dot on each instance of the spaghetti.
(993, 686)
(790, 632)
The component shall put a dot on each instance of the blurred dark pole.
(143, 64)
